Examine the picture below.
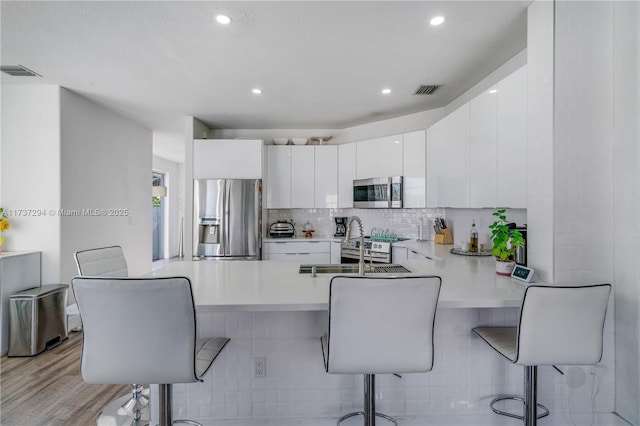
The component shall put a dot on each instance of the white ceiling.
(320, 64)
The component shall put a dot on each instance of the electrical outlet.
(260, 367)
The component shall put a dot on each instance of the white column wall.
(105, 164)
(540, 150)
(626, 191)
(30, 172)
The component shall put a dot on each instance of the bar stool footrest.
(545, 410)
(361, 413)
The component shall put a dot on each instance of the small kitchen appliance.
(282, 229)
(341, 226)
(378, 193)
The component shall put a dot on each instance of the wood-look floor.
(48, 389)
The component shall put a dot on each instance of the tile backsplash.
(404, 222)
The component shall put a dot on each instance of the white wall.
(583, 141)
(30, 171)
(540, 39)
(105, 164)
(626, 192)
(172, 200)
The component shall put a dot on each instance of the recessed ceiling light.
(223, 19)
(493, 91)
(257, 91)
(386, 91)
(437, 20)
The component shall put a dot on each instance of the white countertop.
(467, 282)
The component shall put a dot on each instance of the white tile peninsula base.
(562, 419)
(467, 374)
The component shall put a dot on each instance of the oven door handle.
(389, 196)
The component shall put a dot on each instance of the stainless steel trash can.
(37, 319)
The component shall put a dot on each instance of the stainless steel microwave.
(378, 193)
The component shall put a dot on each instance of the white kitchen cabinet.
(398, 254)
(367, 159)
(482, 149)
(336, 249)
(326, 177)
(448, 160)
(414, 169)
(297, 251)
(512, 140)
(278, 184)
(390, 156)
(381, 157)
(414, 255)
(346, 174)
(302, 177)
(227, 158)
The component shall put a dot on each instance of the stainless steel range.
(374, 251)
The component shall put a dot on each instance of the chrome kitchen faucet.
(348, 235)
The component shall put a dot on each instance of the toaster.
(282, 229)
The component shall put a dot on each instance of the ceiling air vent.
(426, 89)
(18, 71)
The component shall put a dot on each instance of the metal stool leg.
(531, 405)
(369, 412)
(166, 408)
(130, 409)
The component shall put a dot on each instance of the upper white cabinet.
(278, 183)
(227, 158)
(390, 156)
(512, 141)
(482, 149)
(346, 174)
(477, 155)
(448, 160)
(302, 177)
(381, 157)
(414, 170)
(326, 177)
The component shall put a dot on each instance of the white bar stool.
(380, 325)
(110, 262)
(162, 347)
(558, 325)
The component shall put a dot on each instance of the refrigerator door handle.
(227, 222)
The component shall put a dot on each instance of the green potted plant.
(505, 242)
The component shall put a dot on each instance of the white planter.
(504, 268)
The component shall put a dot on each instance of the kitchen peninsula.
(269, 310)
(467, 282)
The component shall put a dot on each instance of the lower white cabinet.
(336, 247)
(414, 255)
(398, 254)
(297, 251)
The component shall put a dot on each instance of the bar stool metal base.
(128, 410)
(545, 412)
(369, 411)
(165, 396)
(361, 413)
(530, 400)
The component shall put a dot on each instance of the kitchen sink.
(352, 268)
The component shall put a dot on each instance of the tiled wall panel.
(467, 374)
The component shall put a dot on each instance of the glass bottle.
(473, 240)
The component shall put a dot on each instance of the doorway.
(158, 215)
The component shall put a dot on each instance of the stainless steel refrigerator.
(227, 219)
